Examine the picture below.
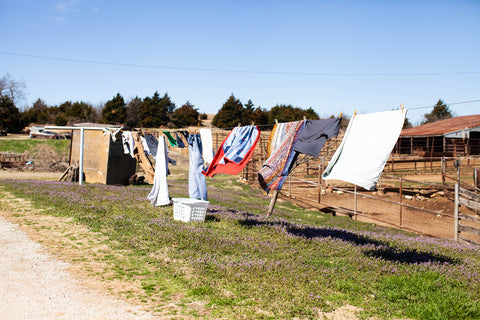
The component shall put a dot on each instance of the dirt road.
(34, 285)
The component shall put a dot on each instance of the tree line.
(151, 112)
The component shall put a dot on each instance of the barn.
(454, 137)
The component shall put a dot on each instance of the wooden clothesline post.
(272, 202)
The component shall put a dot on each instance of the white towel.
(128, 143)
(365, 148)
(207, 145)
(159, 194)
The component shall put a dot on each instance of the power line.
(453, 103)
(325, 74)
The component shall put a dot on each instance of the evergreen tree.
(310, 114)
(10, 118)
(284, 113)
(81, 112)
(288, 113)
(247, 113)
(114, 111)
(407, 124)
(167, 108)
(154, 110)
(260, 116)
(230, 115)
(186, 115)
(133, 112)
(440, 112)
(38, 113)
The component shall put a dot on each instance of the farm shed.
(454, 137)
(103, 159)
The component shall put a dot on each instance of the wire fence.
(414, 193)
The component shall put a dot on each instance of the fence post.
(455, 215)
(457, 164)
(444, 169)
(319, 182)
(290, 186)
(401, 203)
(476, 178)
(355, 201)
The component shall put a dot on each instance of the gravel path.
(34, 285)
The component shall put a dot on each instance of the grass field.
(238, 264)
(31, 145)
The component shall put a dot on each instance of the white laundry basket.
(186, 210)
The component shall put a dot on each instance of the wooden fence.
(467, 224)
(404, 196)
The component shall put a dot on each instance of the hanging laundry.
(275, 138)
(171, 140)
(234, 152)
(159, 194)
(185, 134)
(276, 168)
(314, 135)
(207, 143)
(150, 145)
(180, 143)
(365, 148)
(197, 184)
(128, 143)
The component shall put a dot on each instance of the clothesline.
(366, 145)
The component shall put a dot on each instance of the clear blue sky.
(333, 56)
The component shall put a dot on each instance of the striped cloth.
(276, 168)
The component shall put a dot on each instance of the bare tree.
(12, 88)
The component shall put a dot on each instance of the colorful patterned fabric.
(276, 168)
(276, 138)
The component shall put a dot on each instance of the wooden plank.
(468, 229)
(466, 241)
(469, 217)
(455, 214)
(469, 194)
(469, 203)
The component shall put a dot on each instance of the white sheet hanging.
(207, 145)
(365, 148)
(159, 194)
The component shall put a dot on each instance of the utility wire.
(415, 108)
(447, 104)
(325, 74)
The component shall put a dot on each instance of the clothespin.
(401, 107)
(304, 118)
(253, 123)
(341, 115)
(239, 124)
(276, 121)
(354, 113)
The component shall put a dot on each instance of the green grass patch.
(31, 145)
(239, 263)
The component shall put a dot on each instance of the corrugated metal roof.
(443, 126)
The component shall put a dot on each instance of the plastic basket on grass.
(186, 210)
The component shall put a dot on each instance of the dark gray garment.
(180, 143)
(311, 139)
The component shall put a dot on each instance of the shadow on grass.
(408, 256)
(384, 251)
